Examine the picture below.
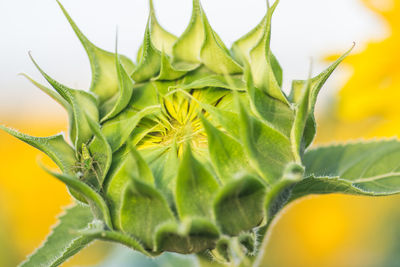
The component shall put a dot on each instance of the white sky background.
(302, 29)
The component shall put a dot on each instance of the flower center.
(177, 124)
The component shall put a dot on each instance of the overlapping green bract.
(192, 149)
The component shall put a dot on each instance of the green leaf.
(268, 150)
(226, 153)
(188, 46)
(224, 118)
(218, 81)
(309, 131)
(362, 168)
(150, 62)
(274, 112)
(239, 206)
(111, 107)
(227, 119)
(279, 193)
(161, 39)
(83, 104)
(168, 71)
(118, 129)
(242, 47)
(200, 44)
(64, 241)
(89, 193)
(128, 166)
(165, 167)
(137, 218)
(191, 236)
(64, 103)
(266, 71)
(195, 188)
(300, 122)
(54, 146)
(117, 237)
(100, 151)
(104, 73)
(214, 54)
(57, 97)
(316, 83)
(276, 68)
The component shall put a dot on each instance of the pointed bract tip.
(151, 5)
(63, 9)
(152, 13)
(34, 61)
(116, 40)
(271, 8)
(24, 75)
(47, 77)
(310, 68)
(197, 6)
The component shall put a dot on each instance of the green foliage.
(239, 205)
(195, 148)
(65, 240)
(195, 188)
(359, 168)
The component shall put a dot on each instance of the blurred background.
(361, 100)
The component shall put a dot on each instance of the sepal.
(83, 105)
(226, 153)
(170, 72)
(200, 44)
(300, 122)
(280, 192)
(130, 165)
(315, 84)
(136, 200)
(53, 146)
(195, 188)
(190, 236)
(214, 55)
(118, 130)
(150, 62)
(213, 80)
(100, 152)
(266, 71)
(238, 206)
(188, 46)
(161, 39)
(104, 73)
(277, 114)
(58, 98)
(92, 197)
(96, 230)
(268, 150)
(114, 105)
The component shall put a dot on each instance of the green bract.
(194, 148)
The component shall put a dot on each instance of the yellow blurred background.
(329, 230)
